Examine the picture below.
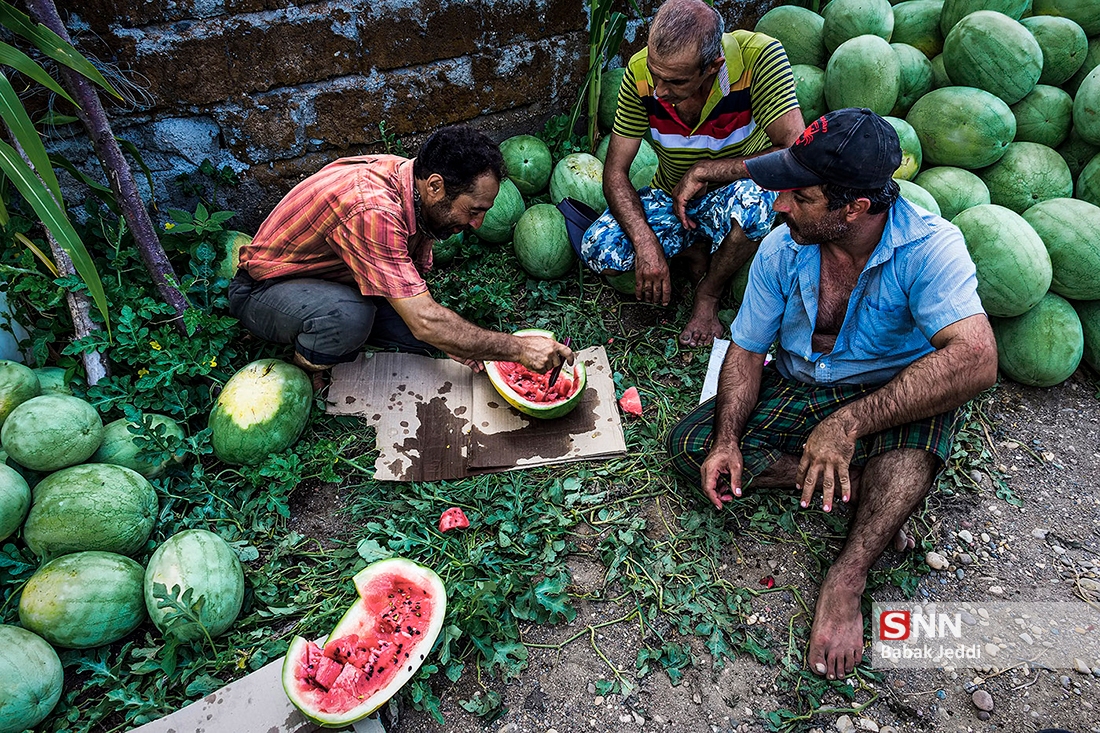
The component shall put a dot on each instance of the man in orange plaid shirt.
(338, 263)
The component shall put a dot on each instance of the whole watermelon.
(610, 83)
(1070, 229)
(1089, 313)
(123, 447)
(84, 600)
(1025, 175)
(579, 176)
(51, 432)
(962, 127)
(1044, 116)
(940, 78)
(541, 243)
(954, 189)
(262, 409)
(799, 30)
(643, 167)
(863, 72)
(528, 161)
(444, 251)
(1076, 152)
(993, 52)
(1013, 266)
(917, 23)
(52, 380)
(956, 10)
(202, 562)
(1085, 13)
(18, 383)
(914, 78)
(914, 194)
(1086, 108)
(231, 243)
(910, 149)
(1044, 346)
(1088, 183)
(31, 679)
(847, 19)
(1064, 46)
(15, 500)
(67, 513)
(809, 88)
(1092, 60)
(506, 210)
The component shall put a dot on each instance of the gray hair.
(680, 25)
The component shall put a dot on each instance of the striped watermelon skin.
(18, 383)
(31, 679)
(94, 506)
(52, 431)
(83, 600)
(202, 561)
(262, 409)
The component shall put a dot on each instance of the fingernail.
(804, 505)
(820, 668)
(832, 677)
(827, 507)
(737, 491)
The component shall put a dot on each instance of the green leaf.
(25, 65)
(52, 45)
(57, 222)
(370, 550)
(19, 122)
(103, 193)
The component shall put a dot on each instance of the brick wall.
(277, 88)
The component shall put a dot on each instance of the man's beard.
(819, 232)
(434, 220)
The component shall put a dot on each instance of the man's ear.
(715, 66)
(857, 208)
(436, 189)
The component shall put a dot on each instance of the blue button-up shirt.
(919, 279)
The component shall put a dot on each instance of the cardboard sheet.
(435, 419)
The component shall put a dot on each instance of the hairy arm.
(963, 364)
(738, 390)
(454, 335)
(782, 133)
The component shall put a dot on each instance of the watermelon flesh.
(375, 648)
(536, 387)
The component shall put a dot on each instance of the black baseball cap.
(850, 147)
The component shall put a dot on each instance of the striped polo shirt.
(756, 89)
(350, 222)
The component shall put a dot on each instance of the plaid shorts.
(605, 245)
(786, 414)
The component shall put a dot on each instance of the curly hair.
(881, 198)
(461, 155)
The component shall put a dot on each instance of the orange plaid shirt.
(350, 222)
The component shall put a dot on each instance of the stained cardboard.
(436, 419)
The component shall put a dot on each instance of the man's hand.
(825, 458)
(690, 187)
(721, 473)
(653, 283)
(541, 354)
(474, 364)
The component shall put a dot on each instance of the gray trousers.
(326, 322)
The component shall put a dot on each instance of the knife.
(557, 370)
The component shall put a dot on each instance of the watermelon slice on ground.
(453, 518)
(631, 402)
(375, 648)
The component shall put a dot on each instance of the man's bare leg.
(703, 326)
(894, 485)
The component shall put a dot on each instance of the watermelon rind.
(955, 10)
(917, 23)
(1042, 347)
(231, 243)
(528, 161)
(915, 77)
(1025, 175)
(502, 216)
(844, 20)
(642, 168)
(83, 600)
(263, 409)
(1085, 13)
(1070, 229)
(68, 511)
(991, 51)
(579, 176)
(203, 562)
(916, 195)
(863, 72)
(911, 155)
(18, 383)
(535, 409)
(15, 500)
(352, 620)
(1044, 116)
(809, 89)
(1076, 152)
(954, 189)
(1064, 45)
(52, 431)
(1089, 313)
(541, 242)
(610, 84)
(962, 127)
(800, 30)
(121, 447)
(52, 380)
(31, 679)
(1086, 108)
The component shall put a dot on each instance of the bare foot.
(904, 541)
(696, 259)
(836, 639)
(703, 326)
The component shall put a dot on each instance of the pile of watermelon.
(997, 106)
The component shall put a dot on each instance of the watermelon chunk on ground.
(631, 402)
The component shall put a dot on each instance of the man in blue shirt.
(872, 307)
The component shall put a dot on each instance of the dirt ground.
(1047, 442)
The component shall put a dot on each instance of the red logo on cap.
(807, 136)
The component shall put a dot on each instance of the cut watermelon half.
(530, 392)
(375, 648)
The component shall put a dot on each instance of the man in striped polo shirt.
(708, 100)
(871, 307)
(338, 263)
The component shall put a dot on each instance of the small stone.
(551, 730)
(868, 724)
(936, 561)
(1026, 638)
(597, 700)
(591, 688)
(659, 719)
(1040, 534)
(773, 564)
(983, 613)
(996, 590)
(965, 536)
(965, 559)
(638, 719)
(626, 718)
(751, 620)
(1081, 666)
(508, 728)
(991, 649)
(695, 698)
(982, 700)
(887, 729)
(983, 715)
(1065, 681)
(844, 724)
(959, 573)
